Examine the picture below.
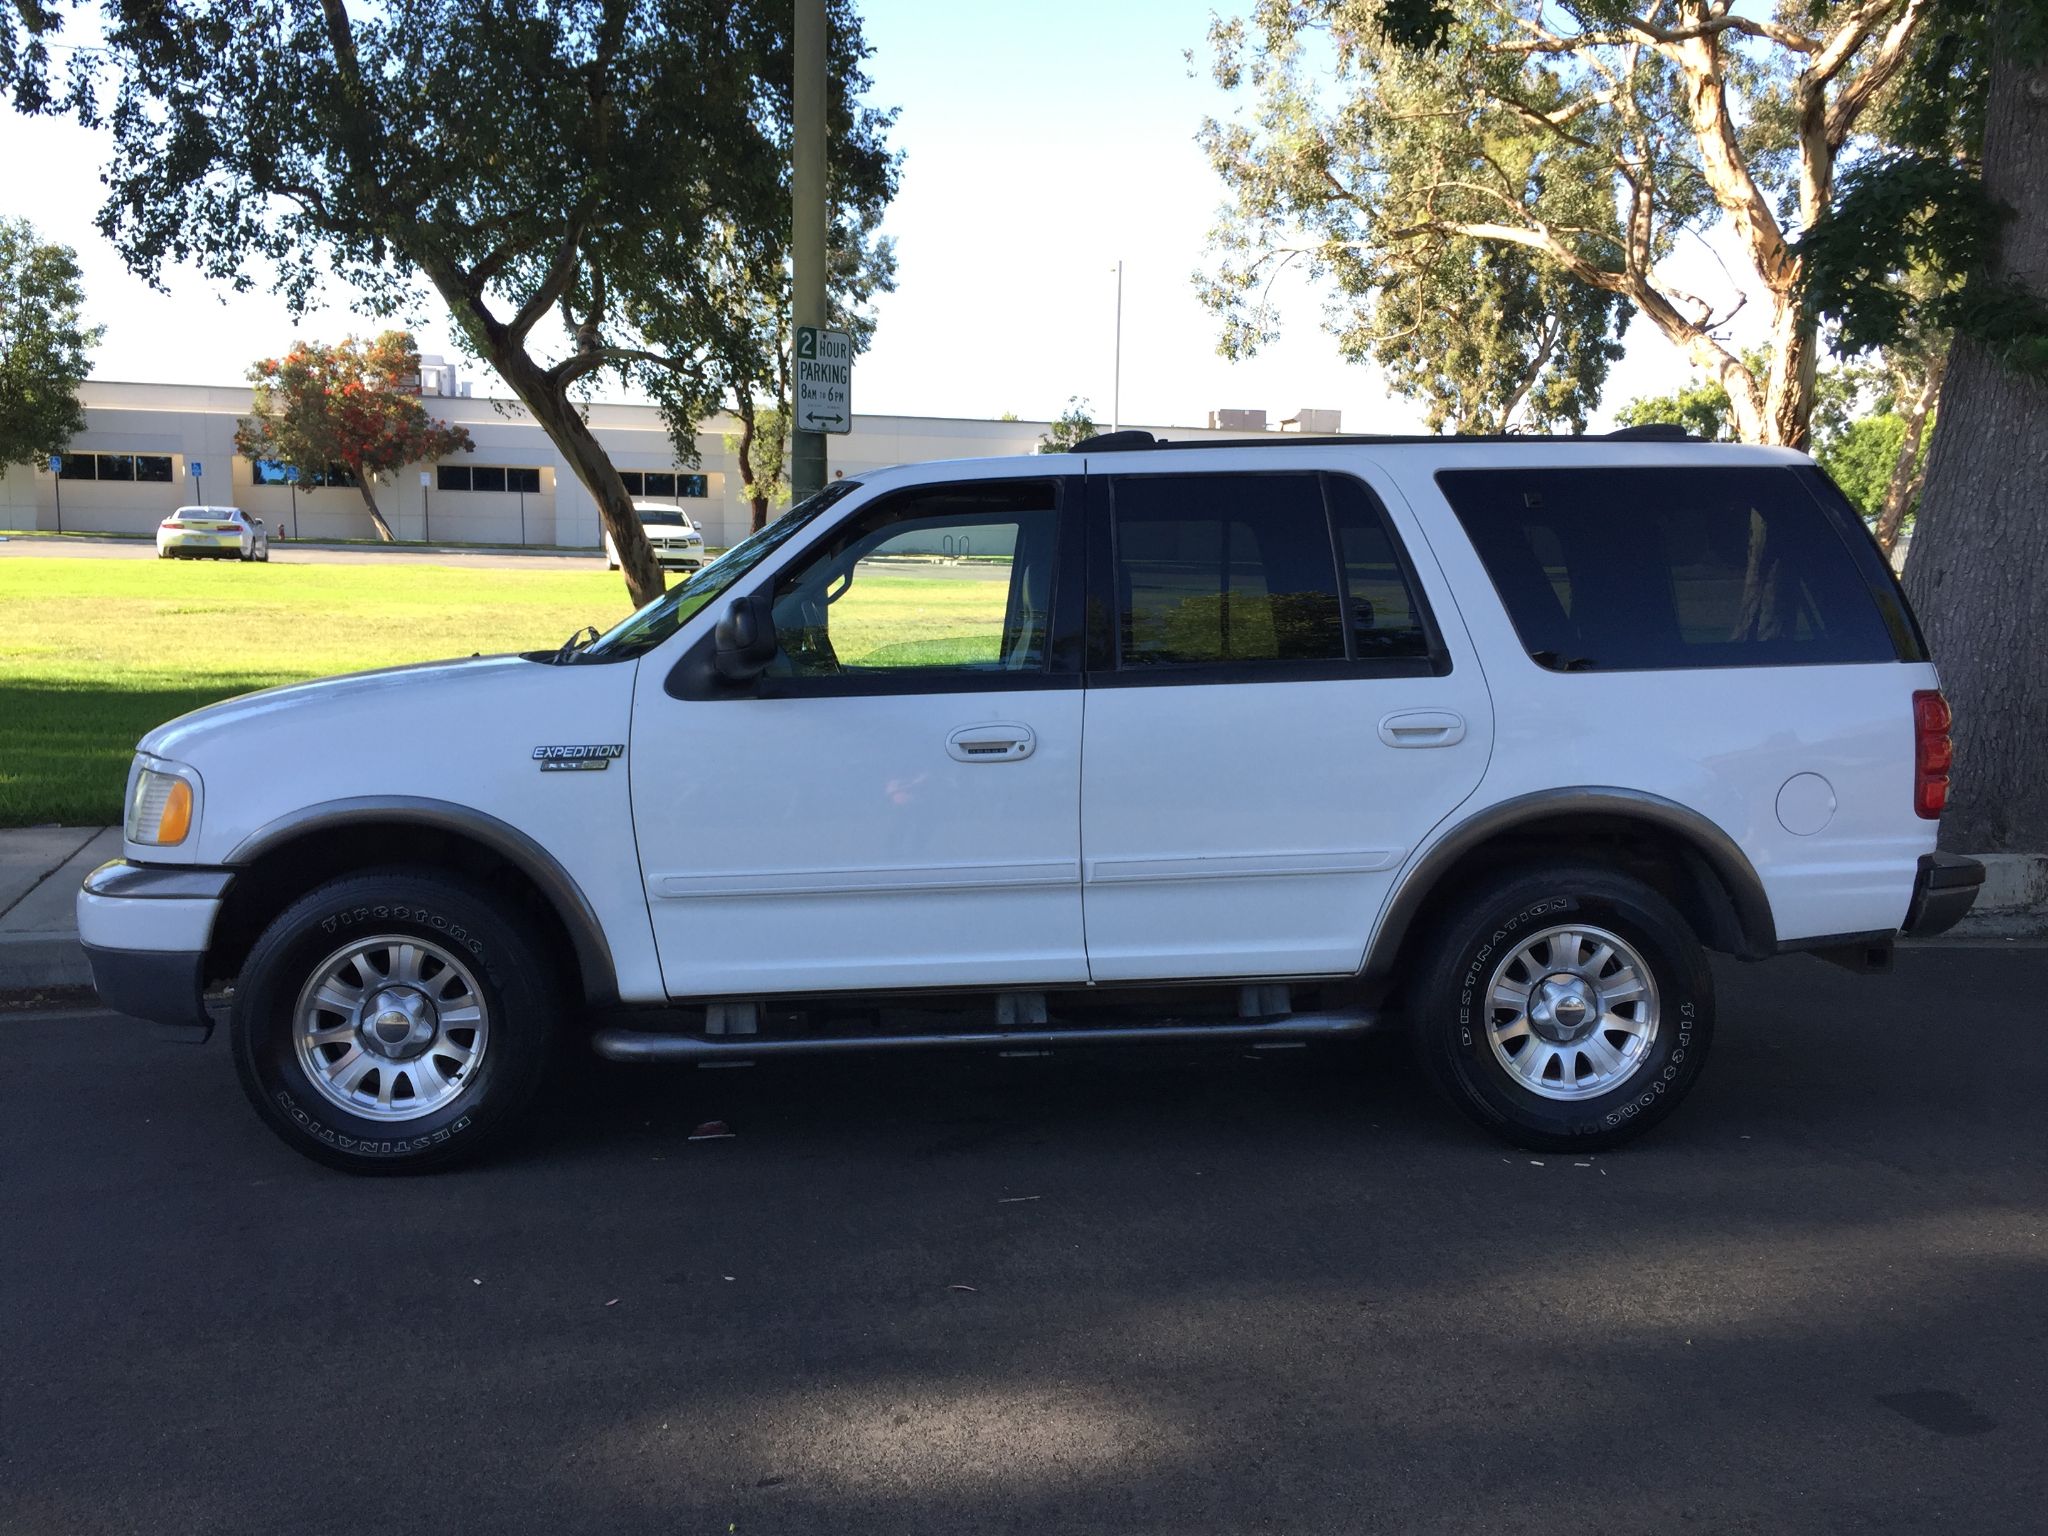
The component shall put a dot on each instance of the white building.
(150, 448)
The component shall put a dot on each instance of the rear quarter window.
(1616, 570)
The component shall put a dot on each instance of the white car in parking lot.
(219, 533)
(678, 544)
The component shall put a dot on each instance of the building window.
(487, 477)
(655, 483)
(270, 472)
(153, 467)
(78, 466)
(117, 466)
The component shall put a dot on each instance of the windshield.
(661, 618)
(659, 517)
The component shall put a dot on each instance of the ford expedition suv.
(1492, 741)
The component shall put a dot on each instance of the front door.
(1276, 718)
(896, 803)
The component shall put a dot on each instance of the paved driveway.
(1171, 1293)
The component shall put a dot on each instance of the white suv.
(1493, 740)
(676, 540)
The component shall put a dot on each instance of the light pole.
(1116, 385)
(807, 222)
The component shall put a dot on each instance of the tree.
(355, 404)
(1700, 407)
(761, 449)
(1870, 428)
(43, 345)
(556, 174)
(1391, 142)
(1073, 425)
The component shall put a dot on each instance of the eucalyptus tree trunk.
(1908, 473)
(1978, 571)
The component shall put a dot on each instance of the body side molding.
(1719, 850)
(579, 919)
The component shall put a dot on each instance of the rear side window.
(1618, 570)
(1225, 568)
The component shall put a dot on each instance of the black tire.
(515, 975)
(1487, 924)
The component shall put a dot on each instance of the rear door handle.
(1001, 741)
(1423, 728)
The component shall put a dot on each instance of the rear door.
(1279, 708)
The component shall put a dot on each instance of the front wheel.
(1566, 1008)
(394, 1020)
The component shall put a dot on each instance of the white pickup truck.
(1492, 740)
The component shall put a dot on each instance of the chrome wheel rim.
(1571, 1013)
(391, 1027)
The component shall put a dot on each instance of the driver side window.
(957, 579)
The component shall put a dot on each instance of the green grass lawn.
(95, 652)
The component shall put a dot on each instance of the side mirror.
(744, 640)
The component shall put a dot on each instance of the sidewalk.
(40, 872)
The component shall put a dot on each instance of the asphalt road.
(1173, 1293)
(285, 552)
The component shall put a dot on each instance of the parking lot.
(1189, 1291)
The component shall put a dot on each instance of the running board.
(639, 1045)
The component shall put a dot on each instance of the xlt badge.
(572, 759)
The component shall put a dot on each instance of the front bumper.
(145, 931)
(1942, 892)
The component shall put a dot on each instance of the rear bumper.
(1942, 892)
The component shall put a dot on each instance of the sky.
(1043, 144)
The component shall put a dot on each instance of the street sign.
(824, 380)
(291, 474)
(56, 462)
(198, 469)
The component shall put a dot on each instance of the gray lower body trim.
(165, 986)
(637, 1045)
(144, 882)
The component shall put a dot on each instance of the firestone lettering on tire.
(356, 916)
(380, 1147)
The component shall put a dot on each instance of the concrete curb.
(2013, 903)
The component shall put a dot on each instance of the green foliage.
(1701, 408)
(763, 454)
(43, 345)
(1487, 192)
(1910, 244)
(1074, 424)
(1860, 458)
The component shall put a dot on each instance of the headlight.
(160, 807)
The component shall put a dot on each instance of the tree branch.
(1890, 56)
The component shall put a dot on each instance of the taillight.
(173, 523)
(1932, 752)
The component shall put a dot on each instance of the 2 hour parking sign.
(824, 380)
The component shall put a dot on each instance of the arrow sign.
(824, 380)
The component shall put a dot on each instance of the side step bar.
(641, 1045)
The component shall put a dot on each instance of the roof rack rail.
(1132, 440)
(1116, 442)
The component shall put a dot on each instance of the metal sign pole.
(57, 475)
(807, 224)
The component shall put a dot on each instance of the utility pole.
(807, 223)
(1116, 386)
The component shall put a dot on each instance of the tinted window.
(634, 482)
(1386, 618)
(690, 486)
(452, 477)
(153, 467)
(117, 466)
(486, 477)
(660, 484)
(1224, 568)
(658, 517)
(1607, 570)
(527, 480)
(77, 466)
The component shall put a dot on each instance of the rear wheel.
(1565, 1008)
(395, 1020)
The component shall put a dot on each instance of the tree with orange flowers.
(355, 404)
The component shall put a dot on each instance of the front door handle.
(1423, 728)
(1001, 741)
